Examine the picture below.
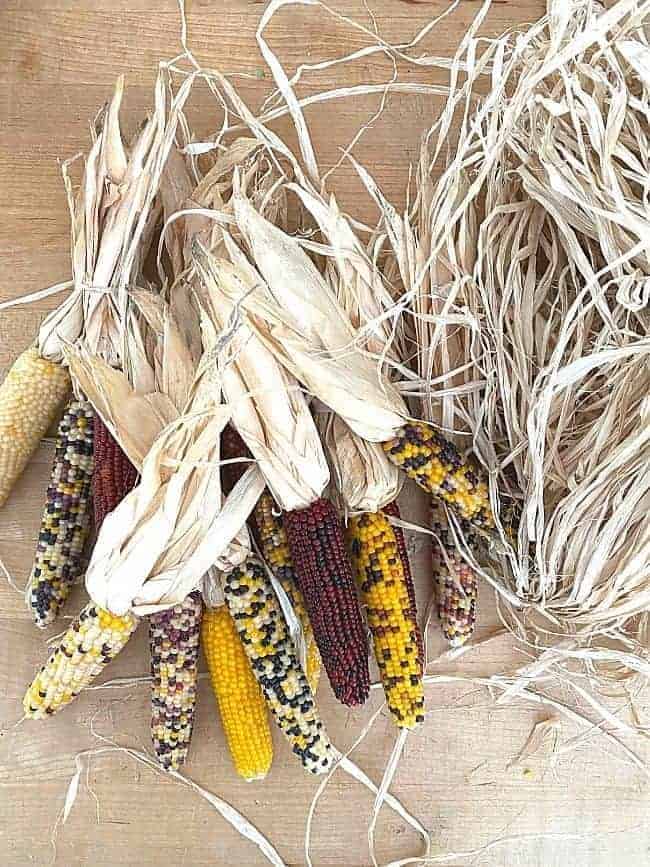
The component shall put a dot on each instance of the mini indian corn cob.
(392, 510)
(384, 590)
(241, 703)
(268, 529)
(66, 517)
(264, 634)
(439, 468)
(30, 397)
(318, 552)
(96, 636)
(113, 476)
(275, 550)
(91, 642)
(456, 584)
(174, 644)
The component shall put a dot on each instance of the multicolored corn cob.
(275, 550)
(392, 510)
(91, 642)
(241, 703)
(96, 636)
(30, 396)
(66, 517)
(264, 634)
(267, 526)
(455, 581)
(174, 643)
(384, 590)
(320, 559)
(114, 475)
(439, 468)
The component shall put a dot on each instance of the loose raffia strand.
(456, 584)
(440, 469)
(174, 644)
(65, 524)
(320, 559)
(241, 704)
(263, 631)
(381, 578)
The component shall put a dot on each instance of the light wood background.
(58, 61)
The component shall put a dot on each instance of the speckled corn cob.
(275, 549)
(439, 468)
(264, 634)
(30, 397)
(455, 581)
(241, 703)
(318, 552)
(114, 475)
(392, 510)
(174, 644)
(91, 642)
(66, 516)
(384, 591)
(268, 529)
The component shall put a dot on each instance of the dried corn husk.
(268, 407)
(113, 219)
(153, 549)
(296, 314)
(363, 477)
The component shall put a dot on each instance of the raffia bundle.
(532, 300)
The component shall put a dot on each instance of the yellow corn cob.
(382, 581)
(241, 703)
(30, 396)
(440, 469)
(91, 642)
(275, 550)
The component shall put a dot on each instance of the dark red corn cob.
(325, 578)
(392, 510)
(232, 446)
(113, 476)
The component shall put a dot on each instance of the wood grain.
(58, 62)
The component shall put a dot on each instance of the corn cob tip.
(91, 642)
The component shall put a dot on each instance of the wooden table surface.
(58, 62)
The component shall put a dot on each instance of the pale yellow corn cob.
(30, 396)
